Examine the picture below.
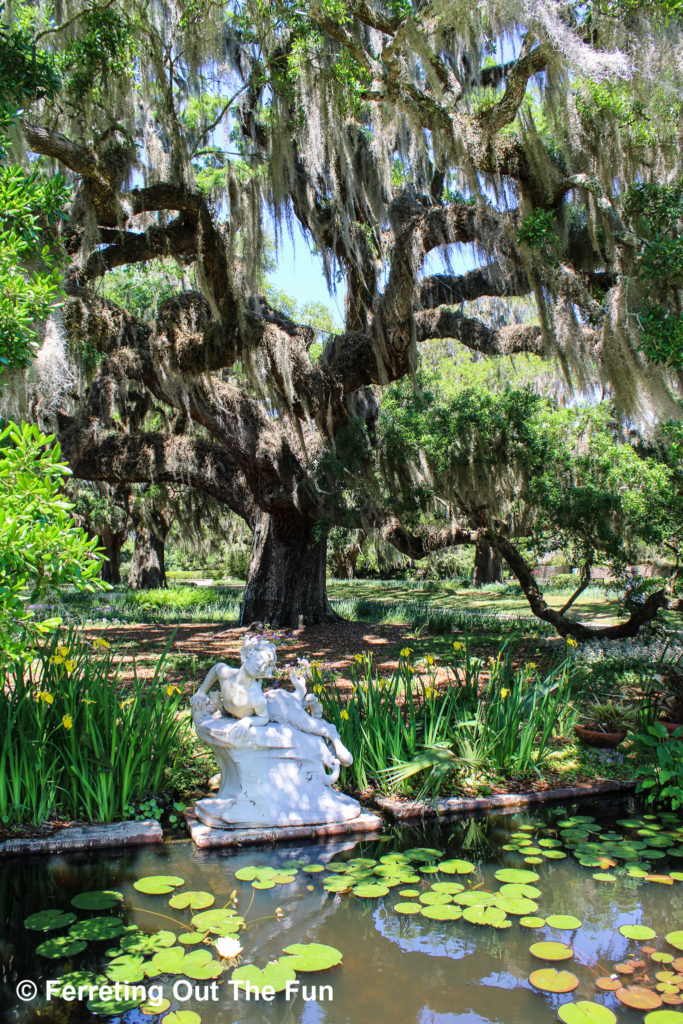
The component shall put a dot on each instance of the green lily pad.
(200, 965)
(142, 943)
(456, 867)
(97, 929)
(128, 968)
(274, 975)
(664, 1017)
(549, 979)
(313, 869)
(112, 1007)
(218, 922)
(48, 920)
(182, 1017)
(484, 915)
(532, 922)
(675, 939)
(193, 900)
(551, 951)
(408, 908)
(452, 888)
(434, 898)
(191, 938)
(158, 885)
(516, 875)
(639, 932)
(312, 956)
(564, 922)
(151, 1009)
(518, 906)
(169, 961)
(337, 883)
(529, 892)
(442, 912)
(80, 979)
(62, 946)
(370, 890)
(100, 899)
(409, 893)
(585, 1012)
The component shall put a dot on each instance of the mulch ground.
(334, 645)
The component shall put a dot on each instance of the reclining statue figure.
(278, 757)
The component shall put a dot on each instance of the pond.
(443, 927)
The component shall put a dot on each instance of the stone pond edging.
(145, 833)
(205, 837)
(399, 809)
(86, 837)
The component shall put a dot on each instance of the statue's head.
(258, 656)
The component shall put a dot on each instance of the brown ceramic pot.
(593, 738)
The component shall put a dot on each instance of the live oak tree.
(386, 131)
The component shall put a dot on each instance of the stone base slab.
(86, 837)
(401, 810)
(206, 838)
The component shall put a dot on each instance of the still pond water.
(398, 967)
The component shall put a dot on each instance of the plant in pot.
(605, 723)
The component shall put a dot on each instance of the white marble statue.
(279, 759)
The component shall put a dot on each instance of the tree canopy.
(539, 141)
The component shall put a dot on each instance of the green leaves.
(158, 884)
(274, 975)
(47, 920)
(311, 956)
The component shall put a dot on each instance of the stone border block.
(401, 810)
(87, 837)
(208, 838)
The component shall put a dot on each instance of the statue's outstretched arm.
(211, 678)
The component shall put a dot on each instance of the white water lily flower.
(227, 947)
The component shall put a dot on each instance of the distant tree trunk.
(488, 567)
(287, 579)
(148, 570)
(112, 542)
(345, 559)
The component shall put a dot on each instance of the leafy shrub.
(75, 741)
(662, 779)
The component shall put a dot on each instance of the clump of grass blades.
(74, 741)
(491, 716)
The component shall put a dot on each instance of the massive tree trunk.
(148, 570)
(112, 542)
(287, 579)
(488, 567)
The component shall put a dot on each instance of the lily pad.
(516, 875)
(409, 893)
(532, 922)
(456, 867)
(675, 939)
(48, 920)
(142, 943)
(408, 908)
(442, 912)
(151, 1009)
(551, 951)
(564, 922)
(97, 929)
(100, 899)
(200, 965)
(158, 885)
(129, 968)
(62, 946)
(370, 890)
(193, 900)
(169, 961)
(191, 938)
(608, 984)
(112, 1007)
(218, 922)
(182, 1017)
(433, 898)
(585, 1012)
(312, 956)
(664, 1017)
(484, 915)
(639, 932)
(549, 979)
(639, 998)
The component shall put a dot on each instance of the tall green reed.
(79, 741)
